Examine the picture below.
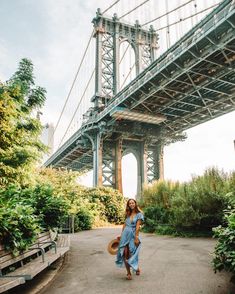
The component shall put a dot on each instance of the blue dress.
(127, 238)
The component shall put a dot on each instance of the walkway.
(169, 266)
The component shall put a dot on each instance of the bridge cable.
(187, 17)
(111, 6)
(76, 75)
(165, 14)
(86, 89)
(136, 7)
(131, 68)
(168, 30)
(77, 107)
(73, 83)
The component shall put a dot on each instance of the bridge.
(191, 83)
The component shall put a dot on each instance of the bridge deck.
(191, 83)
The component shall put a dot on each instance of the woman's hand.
(137, 241)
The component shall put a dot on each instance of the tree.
(20, 146)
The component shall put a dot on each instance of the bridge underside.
(193, 82)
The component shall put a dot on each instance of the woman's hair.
(128, 210)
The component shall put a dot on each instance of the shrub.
(194, 206)
(159, 193)
(49, 207)
(224, 254)
(18, 226)
(110, 203)
(154, 216)
(46, 205)
(83, 220)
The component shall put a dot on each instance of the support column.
(116, 56)
(118, 165)
(97, 161)
(153, 44)
(161, 162)
(143, 164)
(138, 56)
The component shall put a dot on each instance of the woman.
(129, 246)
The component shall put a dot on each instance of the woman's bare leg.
(126, 257)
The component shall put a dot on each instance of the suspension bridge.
(139, 102)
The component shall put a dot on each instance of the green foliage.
(110, 203)
(18, 226)
(84, 219)
(48, 207)
(64, 182)
(194, 206)
(94, 206)
(159, 194)
(155, 216)
(20, 146)
(224, 254)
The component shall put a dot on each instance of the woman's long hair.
(128, 209)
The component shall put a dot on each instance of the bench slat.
(63, 241)
(35, 266)
(8, 283)
(10, 259)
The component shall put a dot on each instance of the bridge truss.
(191, 83)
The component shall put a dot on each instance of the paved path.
(169, 266)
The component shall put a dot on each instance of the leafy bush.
(194, 206)
(18, 226)
(154, 216)
(84, 220)
(224, 254)
(110, 203)
(49, 206)
(159, 193)
(46, 205)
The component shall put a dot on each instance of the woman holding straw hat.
(129, 246)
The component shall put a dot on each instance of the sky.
(54, 34)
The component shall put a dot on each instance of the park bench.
(16, 270)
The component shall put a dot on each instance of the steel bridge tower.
(107, 155)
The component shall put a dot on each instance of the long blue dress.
(127, 238)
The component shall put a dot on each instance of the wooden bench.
(15, 270)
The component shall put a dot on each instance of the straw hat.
(113, 246)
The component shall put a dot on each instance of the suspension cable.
(187, 17)
(83, 94)
(73, 83)
(76, 75)
(110, 6)
(127, 75)
(148, 22)
(134, 9)
(121, 59)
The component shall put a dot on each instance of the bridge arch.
(131, 172)
(127, 62)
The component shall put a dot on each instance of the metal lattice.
(146, 56)
(108, 167)
(152, 166)
(107, 66)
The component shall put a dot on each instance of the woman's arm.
(123, 227)
(137, 230)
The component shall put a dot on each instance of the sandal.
(129, 277)
(137, 272)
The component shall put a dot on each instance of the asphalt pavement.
(168, 266)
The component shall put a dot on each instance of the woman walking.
(129, 246)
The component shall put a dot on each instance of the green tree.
(20, 146)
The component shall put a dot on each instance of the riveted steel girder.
(193, 82)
